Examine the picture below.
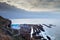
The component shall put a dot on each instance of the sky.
(12, 12)
(35, 5)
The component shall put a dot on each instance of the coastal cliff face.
(4, 24)
(6, 30)
(3, 36)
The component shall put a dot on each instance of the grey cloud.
(35, 5)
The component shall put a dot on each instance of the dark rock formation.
(5, 25)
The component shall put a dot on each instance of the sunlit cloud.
(35, 5)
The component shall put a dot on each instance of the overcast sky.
(12, 12)
(35, 5)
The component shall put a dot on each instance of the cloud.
(35, 5)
